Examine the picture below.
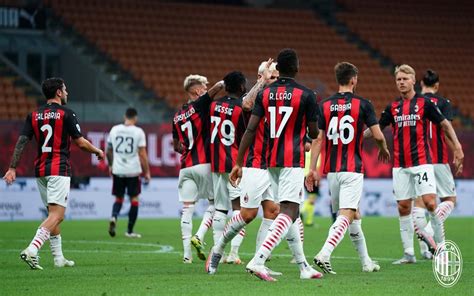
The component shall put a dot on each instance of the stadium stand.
(14, 104)
(137, 35)
(448, 51)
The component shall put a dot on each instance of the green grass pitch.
(152, 265)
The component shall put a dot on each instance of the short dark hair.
(287, 62)
(51, 85)
(233, 82)
(131, 113)
(344, 72)
(430, 78)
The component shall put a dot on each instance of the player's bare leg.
(55, 217)
(335, 236)
(406, 232)
(115, 212)
(186, 230)
(423, 229)
(436, 217)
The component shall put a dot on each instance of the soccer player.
(228, 123)
(127, 157)
(289, 109)
(413, 173)
(342, 121)
(53, 125)
(191, 140)
(445, 187)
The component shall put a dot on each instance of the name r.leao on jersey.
(280, 96)
(340, 107)
(47, 115)
(407, 120)
(185, 115)
(223, 109)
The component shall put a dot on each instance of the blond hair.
(405, 69)
(261, 68)
(194, 79)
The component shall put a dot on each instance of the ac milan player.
(256, 183)
(191, 139)
(288, 109)
(413, 173)
(53, 126)
(445, 187)
(342, 121)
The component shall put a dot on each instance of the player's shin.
(132, 215)
(187, 228)
(336, 234)
(296, 246)
(218, 225)
(42, 235)
(262, 231)
(238, 239)
(231, 231)
(206, 222)
(444, 209)
(406, 233)
(358, 241)
(438, 227)
(276, 232)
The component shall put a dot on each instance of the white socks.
(55, 242)
(262, 232)
(438, 227)
(218, 224)
(358, 240)
(406, 233)
(276, 232)
(336, 234)
(206, 222)
(187, 229)
(42, 235)
(296, 245)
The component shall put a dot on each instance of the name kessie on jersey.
(224, 110)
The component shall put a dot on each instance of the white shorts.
(54, 189)
(287, 184)
(345, 189)
(224, 192)
(408, 183)
(256, 187)
(444, 180)
(195, 183)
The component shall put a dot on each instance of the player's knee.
(431, 205)
(271, 212)
(404, 208)
(119, 200)
(248, 216)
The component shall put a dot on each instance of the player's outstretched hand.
(235, 175)
(384, 155)
(312, 179)
(267, 74)
(100, 155)
(147, 178)
(10, 176)
(458, 162)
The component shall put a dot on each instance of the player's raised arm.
(216, 88)
(265, 75)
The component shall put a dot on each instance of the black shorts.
(131, 184)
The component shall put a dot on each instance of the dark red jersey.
(52, 125)
(191, 129)
(410, 123)
(228, 125)
(439, 148)
(343, 117)
(286, 107)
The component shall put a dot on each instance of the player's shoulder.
(306, 90)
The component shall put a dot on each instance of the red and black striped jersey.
(191, 129)
(257, 154)
(439, 149)
(228, 123)
(52, 125)
(409, 119)
(286, 107)
(343, 117)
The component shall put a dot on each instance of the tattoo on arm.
(20, 145)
